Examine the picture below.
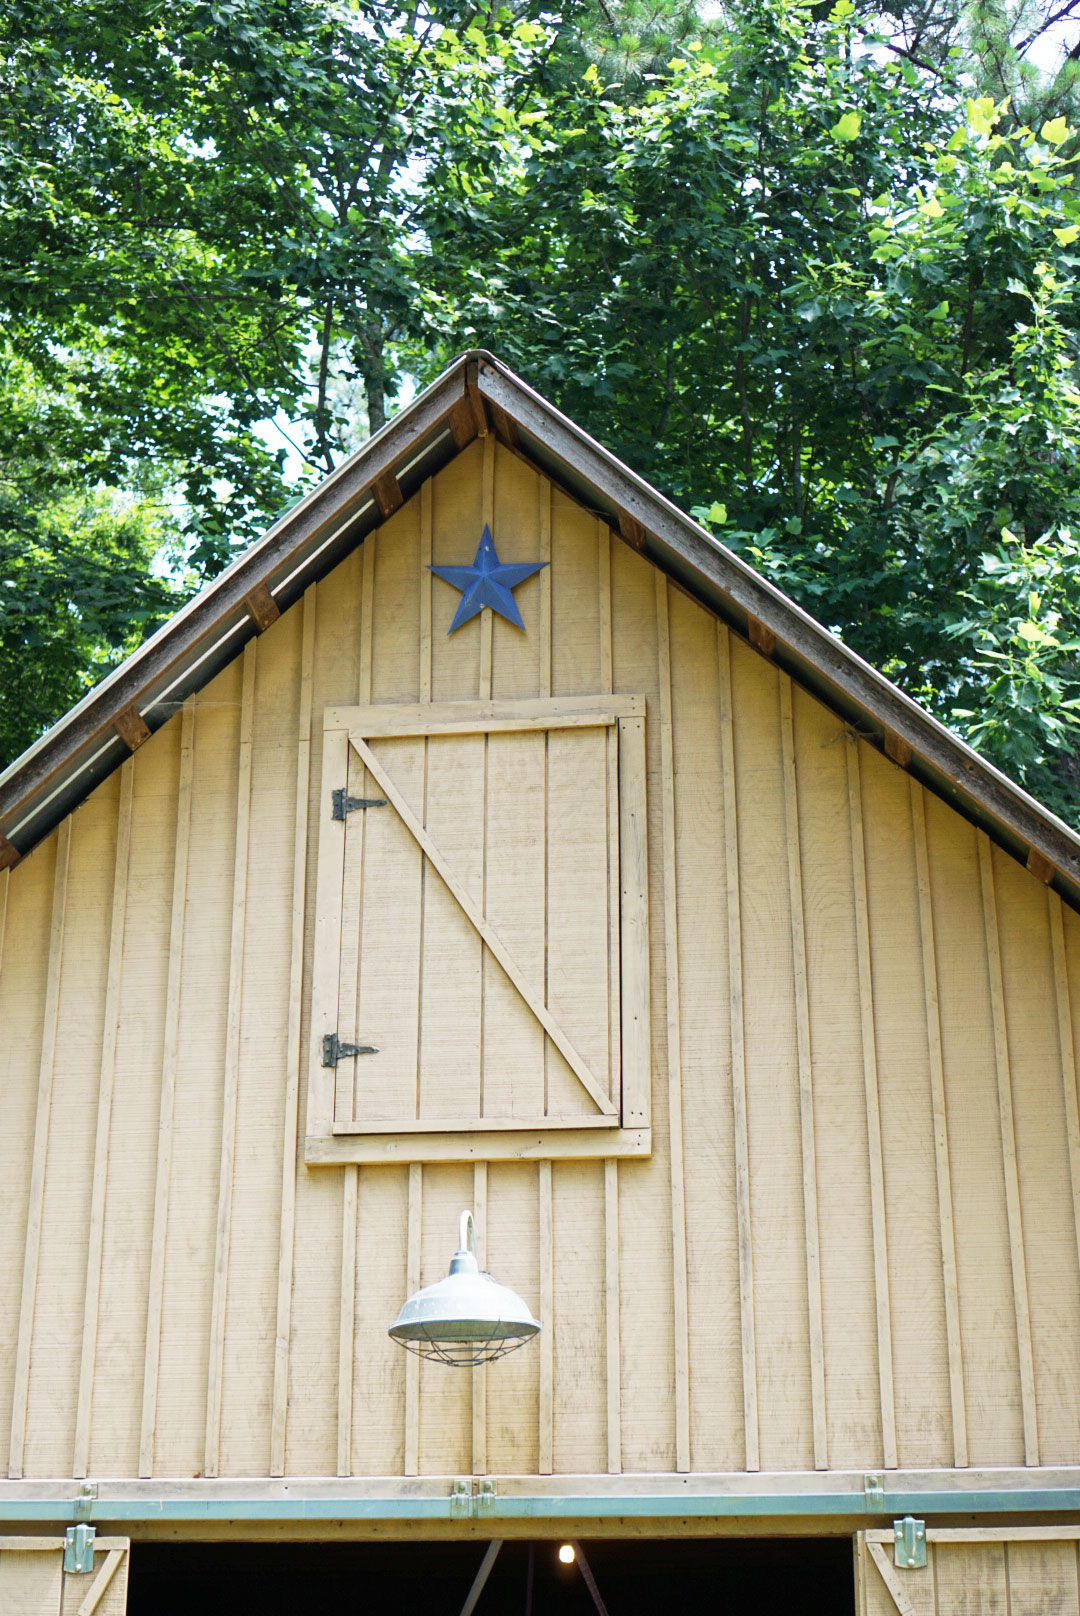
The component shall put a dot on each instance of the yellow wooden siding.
(865, 1170)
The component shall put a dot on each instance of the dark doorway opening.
(785, 1576)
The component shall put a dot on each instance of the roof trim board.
(476, 391)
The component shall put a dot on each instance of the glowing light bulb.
(566, 1554)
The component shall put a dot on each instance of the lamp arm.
(467, 1233)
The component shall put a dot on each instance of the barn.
(490, 838)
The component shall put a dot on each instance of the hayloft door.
(481, 980)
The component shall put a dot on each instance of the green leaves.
(846, 127)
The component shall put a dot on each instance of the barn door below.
(33, 1581)
(981, 1571)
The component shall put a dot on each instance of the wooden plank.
(1008, 1152)
(612, 1300)
(941, 1133)
(132, 728)
(873, 1114)
(46, 1067)
(761, 636)
(101, 1583)
(30, 1582)
(475, 1127)
(971, 1577)
(545, 589)
(1067, 1047)
(347, 1320)
(426, 499)
(487, 516)
(479, 1374)
(262, 607)
(892, 1582)
(611, 1317)
(1042, 868)
(806, 1082)
(897, 749)
(9, 854)
(674, 1050)
(283, 1327)
(636, 1030)
(169, 1058)
(547, 1323)
(1042, 1578)
(474, 717)
(490, 1144)
(412, 1285)
(388, 495)
(476, 400)
(106, 1084)
(632, 532)
(491, 938)
(231, 1078)
(738, 1060)
(326, 963)
(346, 987)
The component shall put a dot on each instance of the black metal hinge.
(334, 1051)
(343, 804)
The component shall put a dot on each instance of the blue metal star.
(487, 582)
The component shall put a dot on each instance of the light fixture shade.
(466, 1318)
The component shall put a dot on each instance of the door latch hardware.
(874, 1488)
(79, 1548)
(909, 1543)
(343, 804)
(84, 1504)
(485, 1496)
(333, 1050)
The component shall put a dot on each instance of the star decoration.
(487, 582)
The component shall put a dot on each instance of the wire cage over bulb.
(466, 1318)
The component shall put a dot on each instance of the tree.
(831, 308)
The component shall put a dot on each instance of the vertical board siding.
(866, 1128)
(46, 1066)
(1042, 1158)
(772, 1094)
(987, 1321)
(119, 1357)
(65, 1211)
(915, 1283)
(311, 1433)
(847, 1253)
(715, 1355)
(646, 1305)
(198, 1100)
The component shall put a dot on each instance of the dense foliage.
(802, 265)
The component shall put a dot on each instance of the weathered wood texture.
(1008, 1571)
(855, 1241)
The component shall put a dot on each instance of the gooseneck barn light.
(466, 1318)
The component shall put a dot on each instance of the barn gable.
(753, 1055)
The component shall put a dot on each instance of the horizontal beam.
(311, 1503)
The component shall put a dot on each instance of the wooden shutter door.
(978, 1571)
(33, 1581)
(482, 928)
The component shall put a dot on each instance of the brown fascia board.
(794, 640)
(94, 737)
